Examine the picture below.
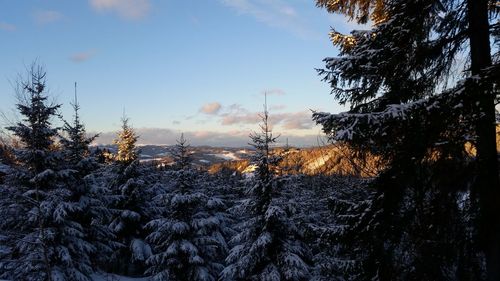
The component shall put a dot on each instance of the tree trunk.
(488, 184)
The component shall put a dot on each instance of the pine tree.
(76, 144)
(44, 242)
(406, 107)
(92, 198)
(132, 206)
(126, 141)
(269, 245)
(132, 210)
(188, 236)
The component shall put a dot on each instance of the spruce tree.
(93, 199)
(268, 245)
(407, 107)
(44, 242)
(76, 143)
(188, 235)
(126, 143)
(132, 206)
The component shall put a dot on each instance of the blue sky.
(194, 66)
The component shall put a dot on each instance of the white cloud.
(235, 114)
(47, 16)
(7, 26)
(275, 13)
(245, 118)
(211, 108)
(82, 56)
(127, 9)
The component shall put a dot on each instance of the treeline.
(68, 211)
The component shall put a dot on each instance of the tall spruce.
(268, 245)
(93, 199)
(132, 206)
(76, 143)
(44, 241)
(406, 106)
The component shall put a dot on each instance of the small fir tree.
(187, 238)
(93, 212)
(269, 245)
(126, 143)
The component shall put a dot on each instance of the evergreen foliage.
(126, 141)
(132, 208)
(93, 212)
(407, 108)
(188, 236)
(268, 245)
(43, 241)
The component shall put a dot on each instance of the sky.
(194, 66)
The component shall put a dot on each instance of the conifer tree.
(44, 242)
(132, 206)
(76, 144)
(268, 245)
(126, 143)
(406, 106)
(93, 212)
(187, 237)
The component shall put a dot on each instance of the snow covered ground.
(226, 155)
(113, 277)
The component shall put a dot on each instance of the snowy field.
(113, 277)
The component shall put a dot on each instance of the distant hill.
(328, 160)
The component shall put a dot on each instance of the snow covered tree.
(92, 196)
(132, 209)
(188, 236)
(126, 141)
(76, 144)
(407, 107)
(268, 245)
(43, 241)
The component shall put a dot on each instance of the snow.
(4, 169)
(226, 155)
(318, 162)
(250, 169)
(113, 277)
(150, 160)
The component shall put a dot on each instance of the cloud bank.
(235, 138)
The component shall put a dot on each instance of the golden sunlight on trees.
(126, 141)
(360, 11)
